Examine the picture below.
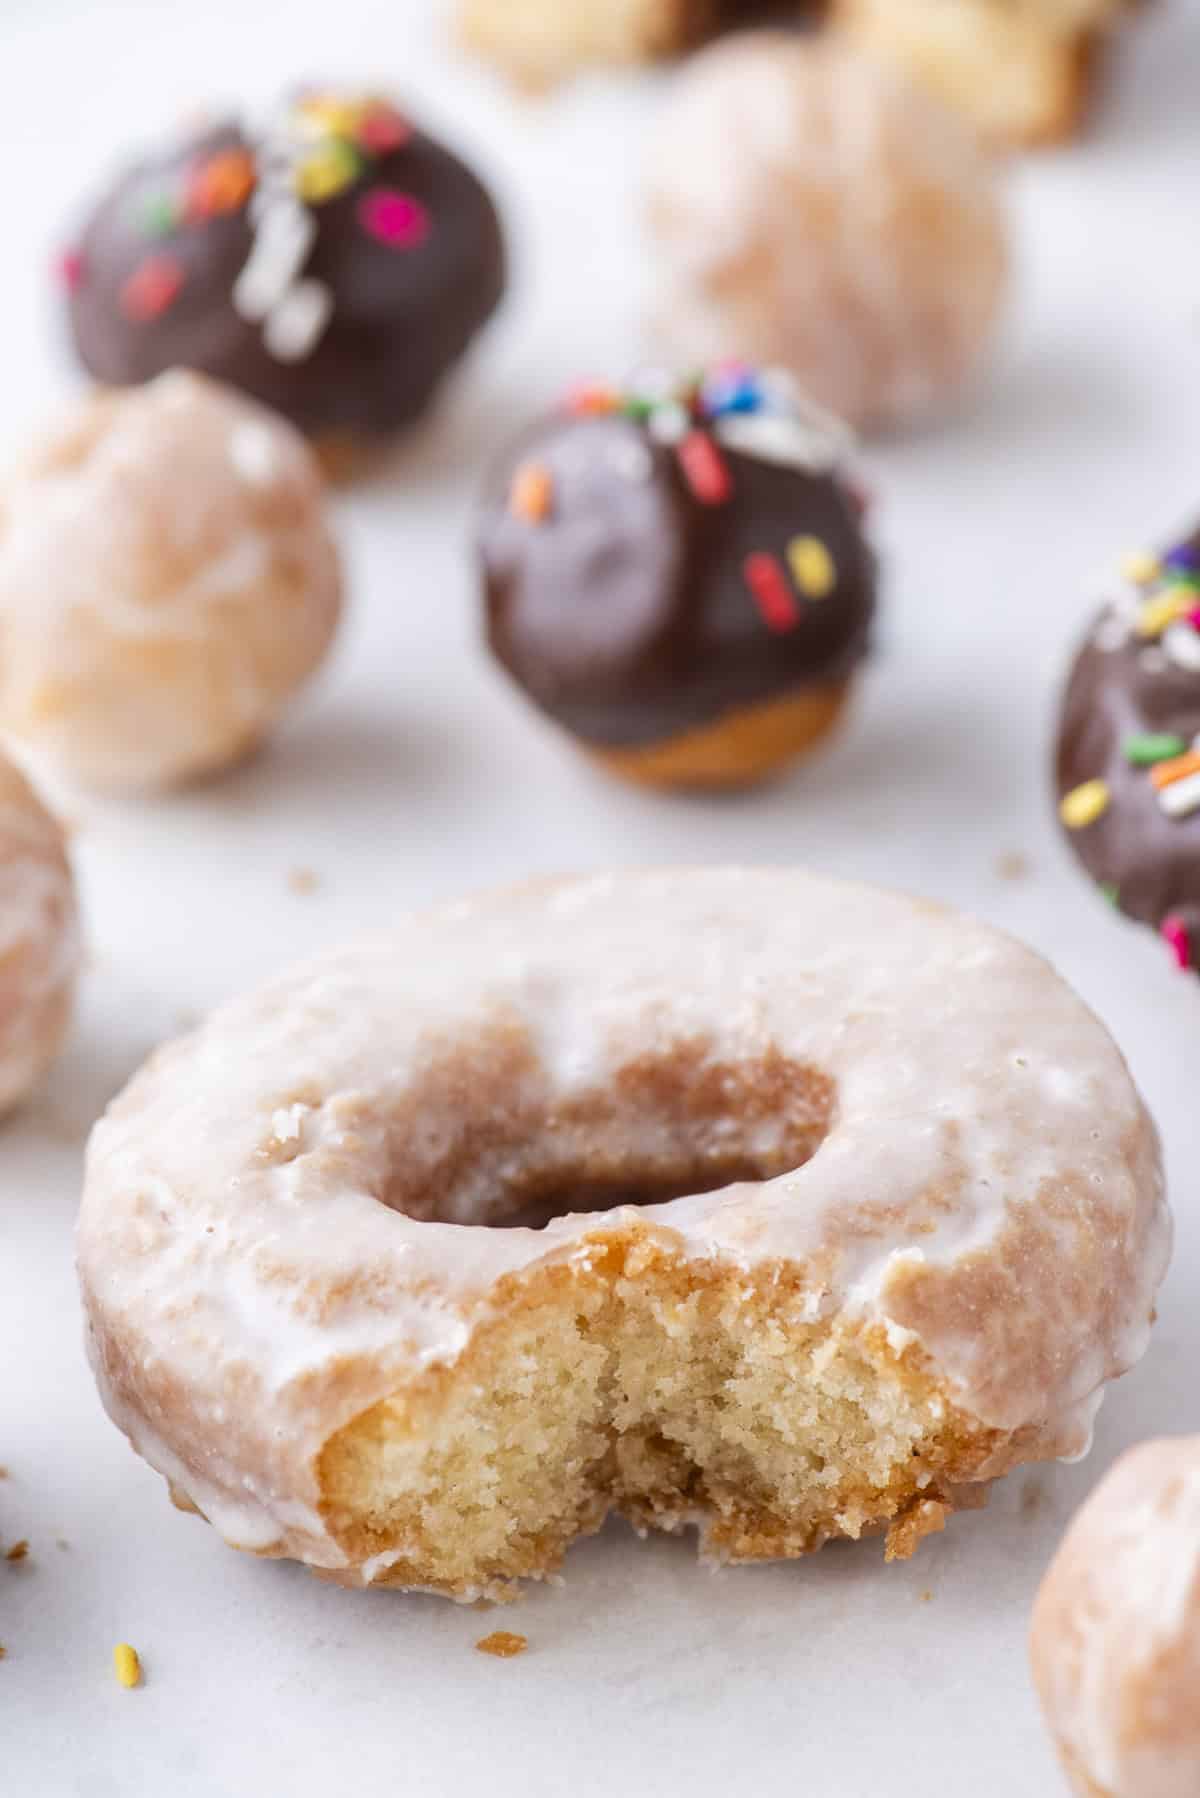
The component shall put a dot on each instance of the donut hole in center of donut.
(670, 1121)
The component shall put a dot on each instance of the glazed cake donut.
(1116, 1631)
(39, 936)
(846, 1205)
(167, 581)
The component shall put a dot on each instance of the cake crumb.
(1012, 865)
(926, 1596)
(18, 1551)
(61, 1542)
(4, 1473)
(502, 1643)
(3, 1651)
(303, 881)
(910, 1530)
(127, 1665)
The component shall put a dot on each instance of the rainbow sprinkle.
(705, 469)
(1084, 804)
(771, 593)
(393, 218)
(1175, 934)
(152, 288)
(813, 568)
(532, 494)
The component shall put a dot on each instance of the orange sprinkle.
(503, 1643)
(591, 397)
(1165, 774)
(532, 492)
(221, 184)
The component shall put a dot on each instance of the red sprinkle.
(71, 269)
(382, 130)
(771, 592)
(705, 469)
(1175, 935)
(151, 288)
(589, 397)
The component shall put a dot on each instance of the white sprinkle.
(669, 424)
(1181, 797)
(252, 451)
(633, 460)
(294, 327)
(1181, 645)
(774, 437)
(281, 245)
(1110, 634)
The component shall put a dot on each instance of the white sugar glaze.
(248, 1294)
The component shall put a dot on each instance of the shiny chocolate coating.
(625, 613)
(401, 312)
(1125, 688)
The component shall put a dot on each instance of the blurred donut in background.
(39, 935)
(334, 264)
(167, 580)
(808, 209)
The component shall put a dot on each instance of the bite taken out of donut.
(676, 574)
(1128, 762)
(776, 1206)
(167, 581)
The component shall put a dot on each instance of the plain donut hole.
(627, 1377)
(673, 1121)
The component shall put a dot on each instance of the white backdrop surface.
(412, 772)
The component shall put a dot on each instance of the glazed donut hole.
(631, 1379)
(39, 936)
(167, 580)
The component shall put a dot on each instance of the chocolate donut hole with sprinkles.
(1128, 765)
(675, 573)
(333, 262)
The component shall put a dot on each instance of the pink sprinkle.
(393, 218)
(1175, 935)
(1193, 618)
(71, 269)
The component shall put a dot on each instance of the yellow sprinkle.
(1141, 567)
(326, 172)
(1083, 805)
(1154, 617)
(326, 114)
(128, 1667)
(812, 567)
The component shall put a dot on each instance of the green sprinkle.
(638, 409)
(1111, 891)
(158, 218)
(1148, 747)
